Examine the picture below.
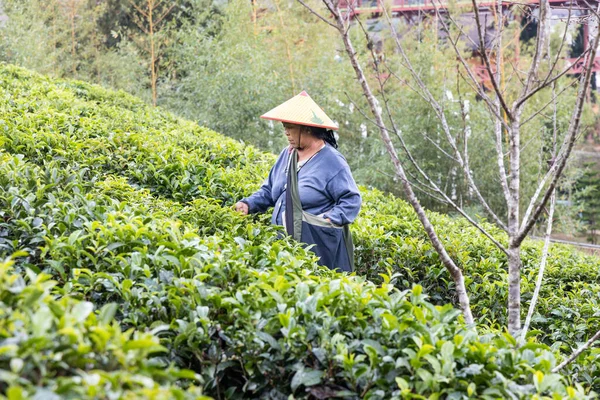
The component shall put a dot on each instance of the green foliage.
(587, 198)
(125, 205)
(58, 347)
(70, 39)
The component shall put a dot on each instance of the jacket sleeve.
(262, 199)
(346, 195)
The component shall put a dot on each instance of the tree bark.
(152, 51)
(514, 249)
(72, 14)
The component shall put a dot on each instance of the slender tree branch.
(498, 122)
(477, 88)
(549, 81)
(405, 82)
(538, 284)
(138, 8)
(577, 353)
(365, 116)
(486, 60)
(317, 14)
(562, 43)
(542, 36)
(446, 128)
(438, 147)
(566, 147)
(554, 97)
(159, 20)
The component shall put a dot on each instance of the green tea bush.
(124, 204)
(250, 314)
(59, 348)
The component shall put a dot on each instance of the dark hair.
(325, 134)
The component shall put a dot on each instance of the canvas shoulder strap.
(293, 208)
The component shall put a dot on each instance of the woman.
(323, 195)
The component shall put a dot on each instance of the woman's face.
(292, 132)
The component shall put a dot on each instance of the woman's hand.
(242, 207)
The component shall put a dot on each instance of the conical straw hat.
(301, 110)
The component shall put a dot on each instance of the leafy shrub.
(59, 348)
(124, 204)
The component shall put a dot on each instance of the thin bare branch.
(549, 81)
(477, 88)
(138, 8)
(365, 116)
(499, 122)
(540, 277)
(159, 20)
(569, 141)
(577, 353)
(562, 43)
(542, 35)
(437, 146)
(317, 14)
(535, 114)
(486, 60)
(445, 126)
(405, 82)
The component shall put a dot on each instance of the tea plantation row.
(123, 204)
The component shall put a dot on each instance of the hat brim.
(333, 128)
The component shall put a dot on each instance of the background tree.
(52, 38)
(150, 16)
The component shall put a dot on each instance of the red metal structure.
(412, 7)
(398, 6)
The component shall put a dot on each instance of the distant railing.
(577, 66)
(577, 244)
(375, 6)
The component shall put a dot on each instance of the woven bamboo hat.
(301, 110)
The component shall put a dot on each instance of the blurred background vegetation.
(224, 63)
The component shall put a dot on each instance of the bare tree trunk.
(72, 14)
(514, 249)
(152, 51)
(54, 40)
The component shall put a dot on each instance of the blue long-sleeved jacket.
(325, 184)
